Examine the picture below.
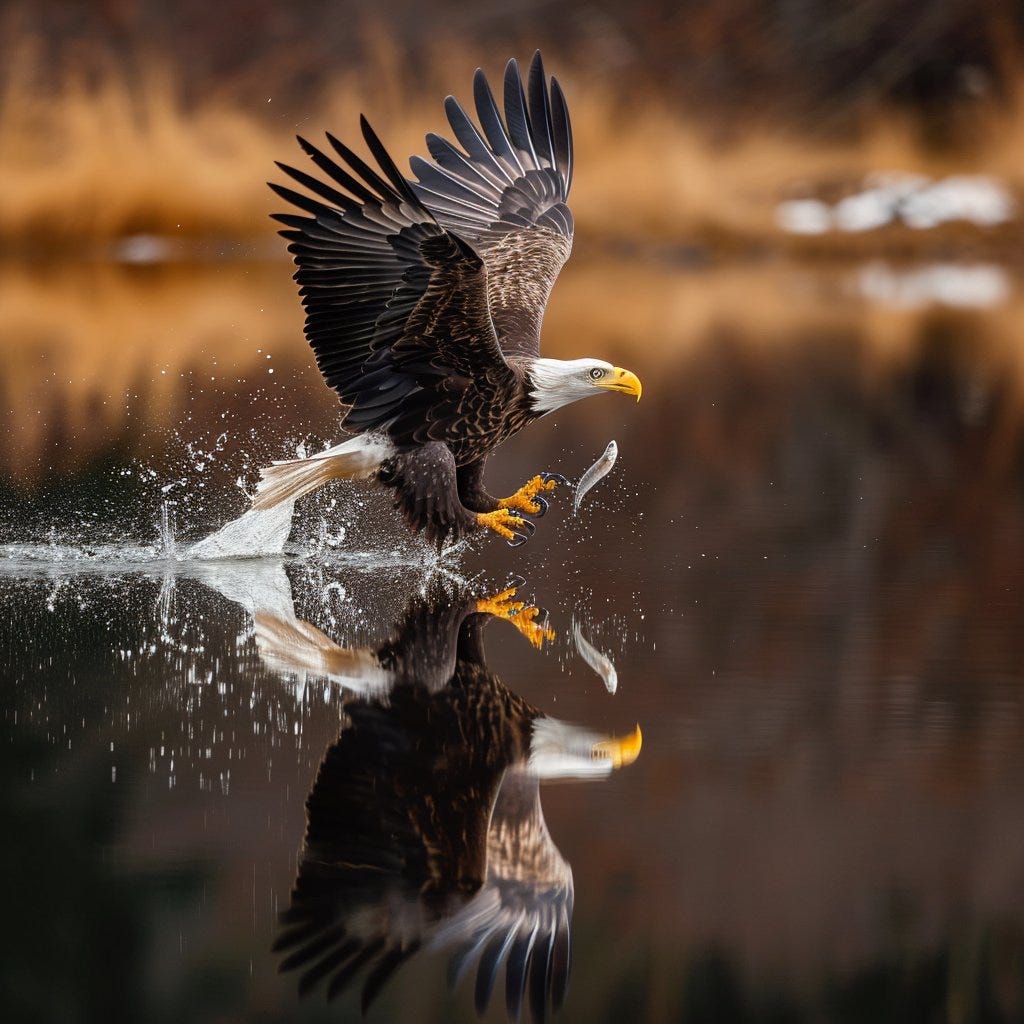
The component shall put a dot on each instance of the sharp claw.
(517, 581)
(542, 616)
(543, 505)
(557, 477)
(517, 540)
(529, 526)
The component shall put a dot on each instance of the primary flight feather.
(424, 300)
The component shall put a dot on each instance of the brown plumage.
(424, 300)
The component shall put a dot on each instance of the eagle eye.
(596, 373)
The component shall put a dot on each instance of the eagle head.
(553, 383)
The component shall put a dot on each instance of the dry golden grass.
(661, 177)
(92, 161)
(88, 162)
(95, 162)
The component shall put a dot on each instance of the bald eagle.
(424, 300)
(424, 824)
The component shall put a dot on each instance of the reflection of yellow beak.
(621, 380)
(620, 751)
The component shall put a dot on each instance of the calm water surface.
(806, 568)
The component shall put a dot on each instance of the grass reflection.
(99, 355)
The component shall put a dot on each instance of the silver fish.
(597, 471)
(601, 664)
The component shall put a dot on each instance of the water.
(806, 569)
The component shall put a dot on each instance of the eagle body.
(424, 299)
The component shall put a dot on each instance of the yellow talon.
(502, 522)
(521, 615)
(522, 500)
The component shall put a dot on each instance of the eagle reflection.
(424, 825)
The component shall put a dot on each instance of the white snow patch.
(914, 199)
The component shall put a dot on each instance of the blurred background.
(800, 223)
(736, 161)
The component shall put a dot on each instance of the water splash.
(168, 542)
(195, 489)
(254, 534)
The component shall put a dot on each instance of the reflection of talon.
(524, 617)
(526, 498)
(506, 524)
(502, 605)
(535, 632)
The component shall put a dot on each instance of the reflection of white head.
(559, 750)
(557, 382)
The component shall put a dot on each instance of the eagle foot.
(528, 498)
(513, 528)
(523, 616)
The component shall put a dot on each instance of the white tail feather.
(355, 459)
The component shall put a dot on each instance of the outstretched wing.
(396, 305)
(522, 914)
(505, 192)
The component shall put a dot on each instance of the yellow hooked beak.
(618, 379)
(620, 751)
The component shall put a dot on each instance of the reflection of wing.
(396, 837)
(523, 911)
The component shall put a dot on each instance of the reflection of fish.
(598, 471)
(424, 825)
(599, 662)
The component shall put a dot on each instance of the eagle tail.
(355, 459)
(298, 646)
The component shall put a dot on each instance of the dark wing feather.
(519, 128)
(396, 305)
(362, 855)
(397, 826)
(540, 113)
(521, 914)
(505, 192)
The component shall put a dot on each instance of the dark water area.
(806, 567)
